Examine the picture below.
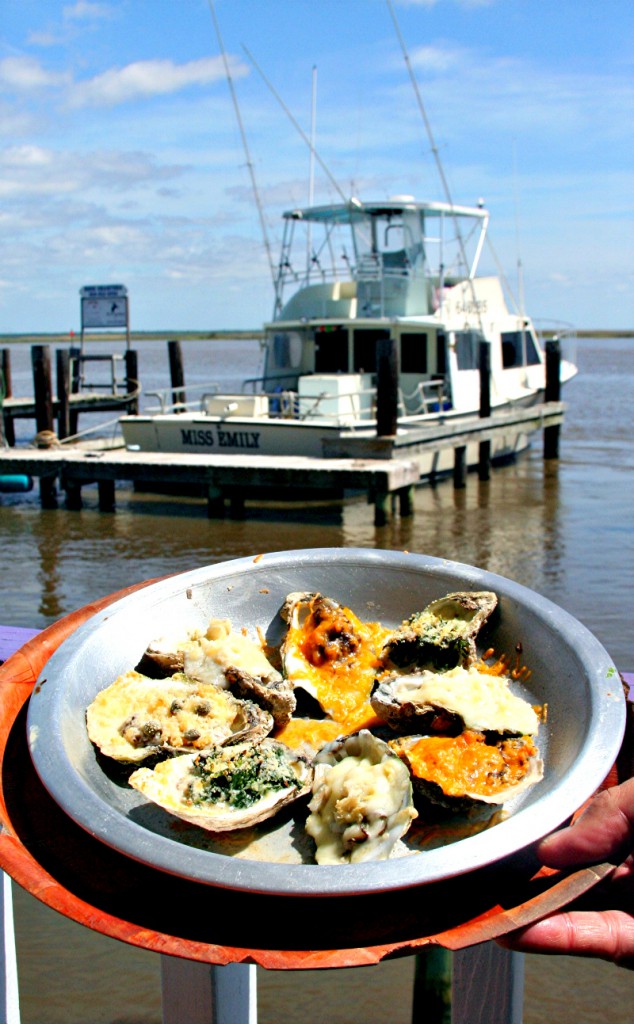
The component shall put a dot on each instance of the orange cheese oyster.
(398, 719)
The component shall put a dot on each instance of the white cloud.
(84, 10)
(25, 74)
(147, 78)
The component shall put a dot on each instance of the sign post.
(104, 306)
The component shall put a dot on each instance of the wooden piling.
(177, 374)
(7, 432)
(132, 378)
(460, 467)
(387, 387)
(42, 390)
(552, 394)
(484, 459)
(63, 382)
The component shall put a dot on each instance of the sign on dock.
(104, 306)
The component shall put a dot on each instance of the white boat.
(354, 278)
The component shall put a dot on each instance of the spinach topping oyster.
(229, 787)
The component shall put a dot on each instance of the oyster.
(470, 769)
(443, 634)
(332, 655)
(228, 787)
(229, 660)
(136, 717)
(448, 702)
(362, 801)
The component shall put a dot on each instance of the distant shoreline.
(227, 335)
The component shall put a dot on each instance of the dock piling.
(7, 429)
(552, 394)
(484, 461)
(177, 374)
(42, 389)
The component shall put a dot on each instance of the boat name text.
(207, 438)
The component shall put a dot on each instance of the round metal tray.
(570, 672)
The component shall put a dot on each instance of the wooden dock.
(386, 469)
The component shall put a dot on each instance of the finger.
(605, 831)
(608, 936)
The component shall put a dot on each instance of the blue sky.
(122, 160)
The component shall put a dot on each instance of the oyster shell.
(448, 702)
(229, 660)
(332, 655)
(362, 801)
(461, 771)
(228, 787)
(443, 634)
(137, 717)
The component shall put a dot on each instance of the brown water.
(565, 529)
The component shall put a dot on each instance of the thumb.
(605, 831)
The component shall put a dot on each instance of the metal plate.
(570, 672)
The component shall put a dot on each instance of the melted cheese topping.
(220, 649)
(336, 657)
(135, 716)
(483, 701)
(466, 765)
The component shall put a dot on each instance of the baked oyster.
(332, 655)
(362, 801)
(227, 659)
(448, 702)
(137, 717)
(470, 770)
(227, 788)
(443, 634)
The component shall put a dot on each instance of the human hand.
(604, 927)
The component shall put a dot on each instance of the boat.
(356, 280)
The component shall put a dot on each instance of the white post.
(487, 985)
(9, 995)
(198, 993)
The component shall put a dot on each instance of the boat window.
(364, 355)
(514, 343)
(414, 353)
(331, 350)
(441, 354)
(281, 351)
(467, 349)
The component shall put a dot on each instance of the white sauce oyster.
(226, 659)
(136, 717)
(450, 701)
(229, 787)
(362, 801)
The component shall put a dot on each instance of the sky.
(124, 158)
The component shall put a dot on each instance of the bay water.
(565, 528)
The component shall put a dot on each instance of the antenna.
(296, 125)
(434, 149)
(244, 142)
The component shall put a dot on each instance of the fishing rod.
(244, 143)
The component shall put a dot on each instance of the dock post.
(106, 491)
(387, 387)
(132, 378)
(6, 388)
(406, 501)
(382, 504)
(484, 461)
(62, 359)
(215, 503)
(552, 394)
(177, 375)
(460, 467)
(48, 491)
(42, 389)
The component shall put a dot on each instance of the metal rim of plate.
(574, 672)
